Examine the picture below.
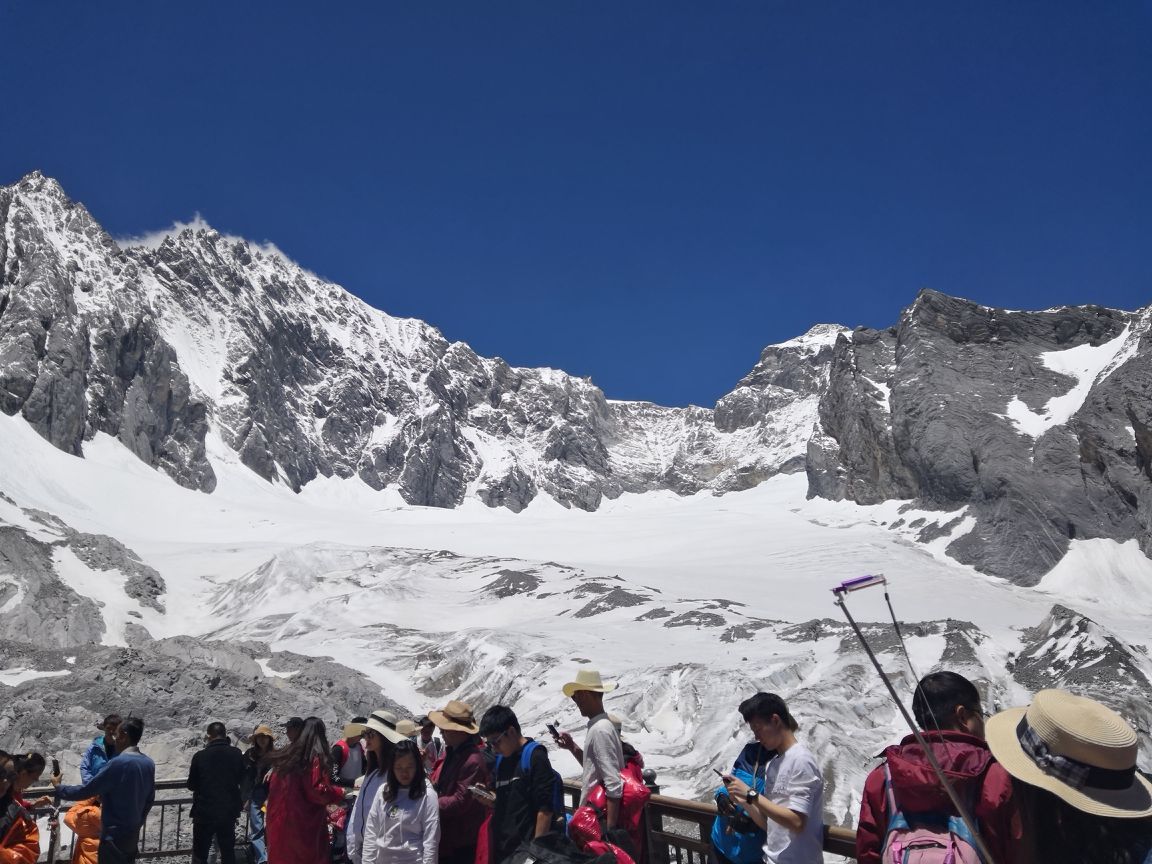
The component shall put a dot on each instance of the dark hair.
(392, 785)
(936, 697)
(217, 729)
(298, 756)
(1055, 832)
(765, 705)
(33, 763)
(133, 728)
(359, 719)
(496, 719)
(112, 720)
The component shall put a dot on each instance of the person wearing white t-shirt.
(791, 808)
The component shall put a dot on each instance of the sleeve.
(86, 771)
(431, 812)
(149, 799)
(22, 845)
(353, 837)
(460, 801)
(603, 749)
(194, 773)
(101, 782)
(372, 831)
(541, 780)
(320, 790)
(803, 787)
(998, 816)
(870, 829)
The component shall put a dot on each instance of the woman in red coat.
(299, 793)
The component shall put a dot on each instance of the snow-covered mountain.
(215, 471)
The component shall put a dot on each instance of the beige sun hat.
(456, 716)
(1075, 748)
(262, 729)
(588, 679)
(383, 721)
(351, 730)
(407, 728)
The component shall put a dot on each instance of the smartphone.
(719, 774)
(481, 792)
(55, 767)
(553, 731)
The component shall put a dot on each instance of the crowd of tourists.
(1056, 781)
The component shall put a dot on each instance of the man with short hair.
(602, 755)
(293, 727)
(101, 749)
(524, 799)
(949, 713)
(214, 778)
(431, 748)
(127, 789)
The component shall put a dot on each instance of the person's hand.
(56, 779)
(42, 801)
(484, 795)
(736, 788)
(564, 742)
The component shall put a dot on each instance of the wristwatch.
(751, 795)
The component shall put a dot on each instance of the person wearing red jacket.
(463, 765)
(948, 711)
(299, 794)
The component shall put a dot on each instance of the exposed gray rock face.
(956, 407)
(178, 686)
(79, 351)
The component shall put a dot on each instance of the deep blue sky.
(643, 192)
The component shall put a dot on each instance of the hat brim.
(1134, 802)
(443, 721)
(574, 686)
(379, 728)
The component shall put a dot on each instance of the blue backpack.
(740, 840)
(525, 761)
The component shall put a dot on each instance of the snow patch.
(272, 673)
(1114, 575)
(13, 677)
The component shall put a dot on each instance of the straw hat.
(456, 717)
(1075, 748)
(262, 729)
(351, 730)
(384, 722)
(407, 728)
(588, 679)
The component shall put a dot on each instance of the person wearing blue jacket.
(101, 749)
(127, 789)
(736, 839)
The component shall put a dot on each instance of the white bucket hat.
(1075, 748)
(384, 722)
(588, 679)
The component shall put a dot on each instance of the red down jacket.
(297, 820)
(975, 775)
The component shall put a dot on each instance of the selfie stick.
(843, 590)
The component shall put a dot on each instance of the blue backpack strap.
(526, 755)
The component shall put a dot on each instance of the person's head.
(216, 731)
(293, 728)
(109, 725)
(128, 733)
(427, 728)
(310, 746)
(501, 730)
(945, 700)
(1073, 762)
(26, 770)
(405, 772)
(353, 732)
(587, 690)
(456, 723)
(263, 738)
(770, 721)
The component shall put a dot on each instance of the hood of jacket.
(964, 759)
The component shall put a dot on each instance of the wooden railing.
(678, 830)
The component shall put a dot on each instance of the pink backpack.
(925, 838)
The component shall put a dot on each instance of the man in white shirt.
(791, 808)
(602, 755)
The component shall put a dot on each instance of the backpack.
(736, 836)
(525, 761)
(925, 838)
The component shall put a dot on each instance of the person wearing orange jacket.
(19, 836)
(83, 818)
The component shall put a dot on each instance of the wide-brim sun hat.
(456, 716)
(407, 728)
(384, 722)
(588, 679)
(1079, 750)
(351, 730)
(262, 729)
